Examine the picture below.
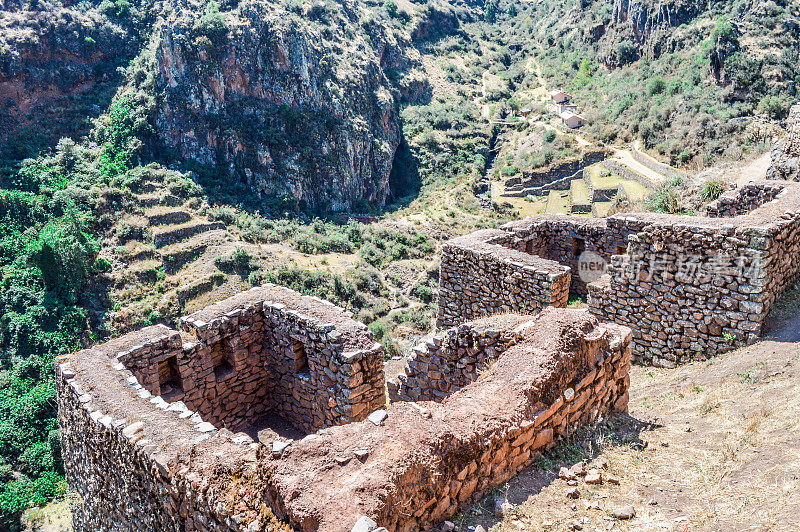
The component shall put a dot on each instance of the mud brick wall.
(427, 461)
(450, 361)
(480, 276)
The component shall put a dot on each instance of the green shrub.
(212, 23)
(656, 86)
(712, 190)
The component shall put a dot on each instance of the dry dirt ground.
(711, 445)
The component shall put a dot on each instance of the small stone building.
(161, 428)
(559, 96)
(690, 287)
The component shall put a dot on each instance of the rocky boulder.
(786, 153)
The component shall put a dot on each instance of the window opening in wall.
(222, 363)
(169, 379)
(578, 246)
(300, 358)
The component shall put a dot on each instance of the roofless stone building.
(268, 411)
(689, 287)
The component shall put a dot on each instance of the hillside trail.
(623, 154)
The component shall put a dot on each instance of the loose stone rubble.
(690, 287)
(150, 421)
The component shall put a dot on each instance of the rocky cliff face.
(786, 154)
(294, 106)
(51, 54)
(643, 28)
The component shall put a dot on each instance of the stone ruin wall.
(240, 359)
(689, 287)
(129, 407)
(449, 361)
(136, 461)
(427, 461)
(480, 275)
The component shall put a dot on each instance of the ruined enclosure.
(152, 423)
(688, 286)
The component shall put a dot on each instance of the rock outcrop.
(294, 106)
(643, 28)
(786, 153)
(53, 55)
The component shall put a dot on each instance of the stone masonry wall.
(137, 462)
(691, 288)
(252, 354)
(480, 276)
(564, 239)
(743, 200)
(450, 361)
(424, 462)
(132, 408)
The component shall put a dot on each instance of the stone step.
(165, 237)
(158, 198)
(160, 216)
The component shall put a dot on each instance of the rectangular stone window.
(300, 358)
(169, 378)
(222, 363)
(578, 246)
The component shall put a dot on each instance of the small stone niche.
(221, 357)
(300, 357)
(169, 378)
(578, 246)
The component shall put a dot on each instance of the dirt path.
(756, 169)
(709, 446)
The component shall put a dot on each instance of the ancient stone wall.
(657, 166)
(480, 276)
(426, 461)
(128, 407)
(692, 287)
(138, 462)
(537, 178)
(689, 287)
(450, 361)
(563, 239)
(743, 200)
(626, 173)
(252, 354)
